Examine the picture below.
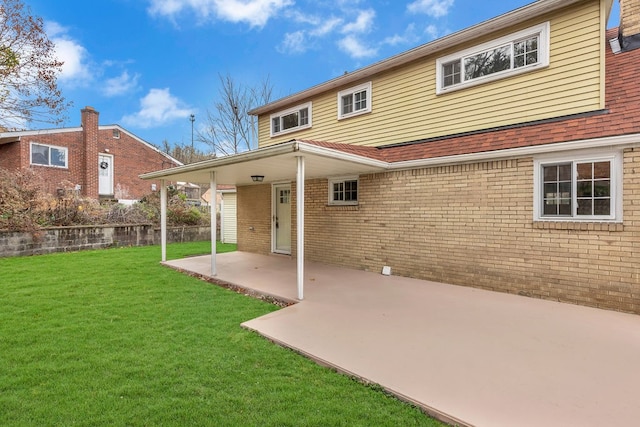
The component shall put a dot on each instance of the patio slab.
(465, 355)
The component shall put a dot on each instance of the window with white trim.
(516, 53)
(343, 191)
(585, 188)
(293, 119)
(48, 155)
(354, 101)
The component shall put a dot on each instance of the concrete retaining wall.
(66, 239)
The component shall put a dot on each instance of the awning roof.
(275, 163)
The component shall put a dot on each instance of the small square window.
(116, 133)
(354, 101)
(343, 191)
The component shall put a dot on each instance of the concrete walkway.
(467, 356)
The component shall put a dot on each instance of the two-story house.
(100, 161)
(505, 156)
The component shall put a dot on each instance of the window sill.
(577, 225)
(341, 207)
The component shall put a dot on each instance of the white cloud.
(409, 36)
(293, 43)
(362, 24)
(327, 26)
(355, 48)
(433, 8)
(432, 32)
(75, 70)
(254, 12)
(120, 85)
(157, 108)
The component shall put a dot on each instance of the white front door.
(282, 218)
(105, 175)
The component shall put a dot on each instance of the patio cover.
(293, 160)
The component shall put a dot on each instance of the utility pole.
(192, 118)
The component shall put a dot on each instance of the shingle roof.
(621, 116)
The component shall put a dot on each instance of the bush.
(24, 206)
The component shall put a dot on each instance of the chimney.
(629, 31)
(90, 149)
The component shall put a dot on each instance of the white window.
(517, 53)
(48, 155)
(116, 133)
(343, 191)
(579, 188)
(296, 118)
(354, 101)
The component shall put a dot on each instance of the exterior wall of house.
(254, 218)
(10, 156)
(472, 225)
(405, 106)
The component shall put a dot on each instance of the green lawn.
(111, 337)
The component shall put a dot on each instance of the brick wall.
(254, 218)
(89, 154)
(629, 17)
(469, 225)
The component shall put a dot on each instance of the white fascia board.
(211, 164)
(512, 153)
(303, 147)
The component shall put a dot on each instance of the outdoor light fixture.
(257, 178)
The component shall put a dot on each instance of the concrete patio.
(467, 356)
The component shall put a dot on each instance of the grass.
(111, 337)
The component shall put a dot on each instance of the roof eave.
(514, 17)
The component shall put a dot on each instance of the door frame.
(112, 173)
(274, 201)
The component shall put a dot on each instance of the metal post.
(300, 225)
(163, 219)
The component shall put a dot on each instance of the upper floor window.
(583, 188)
(48, 155)
(343, 191)
(513, 54)
(116, 133)
(290, 120)
(354, 101)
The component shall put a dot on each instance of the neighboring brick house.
(505, 156)
(99, 161)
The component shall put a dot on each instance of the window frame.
(49, 146)
(343, 179)
(541, 30)
(280, 114)
(616, 179)
(365, 87)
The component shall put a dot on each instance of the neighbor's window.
(506, 56)
(354, 101)
(116, 133)
(343, 191)
(290, 120)
(585, 189)
(48, 155)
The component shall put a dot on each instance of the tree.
(229, 129)
(28, 70)
(184, 153)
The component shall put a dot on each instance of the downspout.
(214, 222)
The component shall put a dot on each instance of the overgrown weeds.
(24, 206)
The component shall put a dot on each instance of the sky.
(147, 65)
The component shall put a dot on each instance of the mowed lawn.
(111, 337)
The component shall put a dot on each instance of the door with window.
(105, 175)
(282, 218)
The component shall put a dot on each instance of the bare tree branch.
(28, 70)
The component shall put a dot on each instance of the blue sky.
(147, 65)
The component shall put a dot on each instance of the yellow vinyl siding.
(405, 106)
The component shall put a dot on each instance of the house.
(101, 161)
(226, 207)
(505, 156)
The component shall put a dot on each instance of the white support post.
(163, 219)
(214, 222)
(300, 225)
